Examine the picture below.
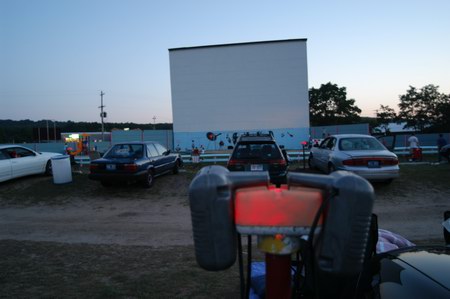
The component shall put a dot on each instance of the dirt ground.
(38, 217)
(130, 215)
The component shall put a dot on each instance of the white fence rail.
(294, 156)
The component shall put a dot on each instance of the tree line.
(421, 109)
(19, 131)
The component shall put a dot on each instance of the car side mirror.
(315, 145)
(166, 152)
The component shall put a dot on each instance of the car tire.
(176, 167)
(331, 168)
(48, 168)
(148, 179)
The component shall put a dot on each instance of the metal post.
(102, 114)
(278, 276)
(48, 138)
(304, 156)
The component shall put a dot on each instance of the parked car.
(361, 154)
(259, 152)
(134, 161)
(414, 272)
(18, 161)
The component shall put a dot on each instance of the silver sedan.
(361, 154)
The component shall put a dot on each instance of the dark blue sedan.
(134, 162)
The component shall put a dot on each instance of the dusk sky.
(56, 56)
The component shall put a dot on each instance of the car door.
(5, 166)
(324, 152)
(155, 158)
(25, 162)
(166, 160)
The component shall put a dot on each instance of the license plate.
(256, 167)
(373, 164)
(111, 166)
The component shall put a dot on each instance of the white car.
(358, 153)
(18, 161)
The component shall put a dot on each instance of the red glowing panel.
(277, 207)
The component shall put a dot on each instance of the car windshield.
(125, 151)
(254, 150)
(360, 143)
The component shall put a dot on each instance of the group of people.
(443, 147)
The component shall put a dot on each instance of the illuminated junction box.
(270, 210)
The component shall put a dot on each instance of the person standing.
(413, 145)
(441, 142)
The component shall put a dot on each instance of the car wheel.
(331, 168)
(48, 168)
(148, 180)
(176, 168)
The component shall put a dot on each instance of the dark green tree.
(385, 116)
(424, 109)
(328, 105)
(442, 123)
(17, 131)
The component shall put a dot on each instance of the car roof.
(3, 146)
(351, 135)
(256, 137)
(135, 142)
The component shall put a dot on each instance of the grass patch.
(47, 269)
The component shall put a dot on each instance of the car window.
(261, 150)
(151, 150)
(18, 152)
(125, 151)
(360, 143)
(161, 149)
(324, 143)
(328, 143)
(331, 143)
(137, 150)
(23, 152)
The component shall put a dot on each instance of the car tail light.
(390, 161)
(233, 162)
(130, 167)
(280, 162)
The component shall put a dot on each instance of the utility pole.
(48, 137)
(102, 114)
(154, 122)
(54, 130)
